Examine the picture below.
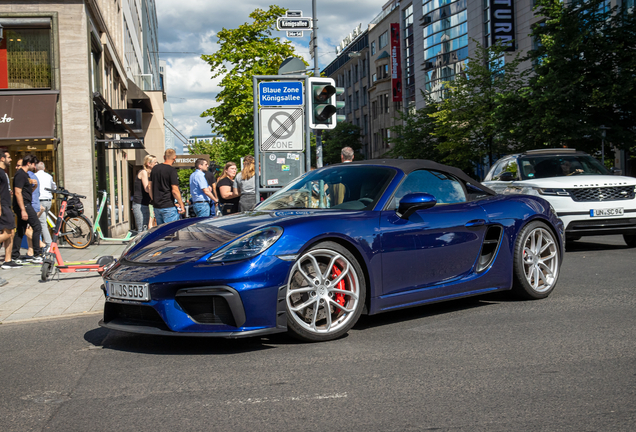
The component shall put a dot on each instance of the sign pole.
(318, 133)
(256, 140)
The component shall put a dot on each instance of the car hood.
(191, 239)
(577, 181)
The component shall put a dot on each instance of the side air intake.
(489, 248)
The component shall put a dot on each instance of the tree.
(584, 75)
(244, 52)
(469, 118)
(220, 151)
(413, 137)
(344, 135)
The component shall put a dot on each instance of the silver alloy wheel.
(541, 260)
(315, 297)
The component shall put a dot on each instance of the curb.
(46, 318)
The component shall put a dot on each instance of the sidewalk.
(26, 298)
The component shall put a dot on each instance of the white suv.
(588, 199)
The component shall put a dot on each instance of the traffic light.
(321, 94)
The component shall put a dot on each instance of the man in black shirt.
(164, 189)
(7, 223)
(26, 215)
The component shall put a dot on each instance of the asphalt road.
(487, 364)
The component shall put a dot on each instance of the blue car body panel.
(429, 257)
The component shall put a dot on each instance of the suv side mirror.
(410, 203)
(507, 176)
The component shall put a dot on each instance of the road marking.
(254, 401)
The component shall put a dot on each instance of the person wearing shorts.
(7, 223)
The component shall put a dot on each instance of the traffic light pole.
(317, 133)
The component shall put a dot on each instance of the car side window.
(494, 173)
(446, 189)
(509, 165)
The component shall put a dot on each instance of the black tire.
(336, 311)
(79, 231)
(630, 240)
(47, 271)
(536, 266)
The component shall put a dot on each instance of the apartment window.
(349, 104)
(28, 59)
(384, 39)
(374, 78)
(381, 103)
(365, 123)
(355, 73)
(364, 67)
(364, 96)
(386, 103)
(357, 102)
(373, 48)
(374, 109)
(349, 78)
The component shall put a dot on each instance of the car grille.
(617, 193)
(133, 315)
(207, 309)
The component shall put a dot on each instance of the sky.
(188, 29)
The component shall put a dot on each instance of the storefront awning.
(26, 114)
(137, 98)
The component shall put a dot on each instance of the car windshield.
(545, 166)
(345, 187)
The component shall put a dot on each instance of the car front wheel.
(325, 293)
(537, 261)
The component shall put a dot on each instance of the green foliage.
(220, 151)
(344, 135)
(470, 117)
(413, 138)
(184, 182)
(243, 52)
(584, 77)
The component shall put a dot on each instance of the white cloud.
(190, 28)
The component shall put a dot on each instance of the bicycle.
(53, 261)
(76, 228)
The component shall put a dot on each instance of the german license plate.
(618, 211)
(128, 291)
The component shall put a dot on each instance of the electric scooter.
(98, 235)
(53, 262)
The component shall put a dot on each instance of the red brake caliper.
(340, 298)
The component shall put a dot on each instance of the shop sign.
(187, 161)
(348, 39)
(396, 63)
(502, 21)
(27, 116)
(131, 118)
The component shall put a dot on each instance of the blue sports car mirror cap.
(410, 203)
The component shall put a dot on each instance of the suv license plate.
(618, 211)
(128, 291)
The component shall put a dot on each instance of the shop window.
(27, 64)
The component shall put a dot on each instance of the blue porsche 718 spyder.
(362, 237)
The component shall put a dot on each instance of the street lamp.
(603, 128)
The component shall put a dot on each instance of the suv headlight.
(249, 245)
(550, 191)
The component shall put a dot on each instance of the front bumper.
(238, 300)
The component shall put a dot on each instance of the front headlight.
(550, 191)
(135, 241)
(249, 245)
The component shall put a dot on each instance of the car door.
(435, 245)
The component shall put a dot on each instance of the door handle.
(475, 223)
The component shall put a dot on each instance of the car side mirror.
(507, 176)
(411, 203)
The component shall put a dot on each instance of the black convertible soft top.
(410, 165)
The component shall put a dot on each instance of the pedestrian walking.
(200, 189)
(7, 218)
(164, 189)
(210, 177)
(141, 194)
(35, 203)
(246, 186)
(226, 190)
(45, 181)
(22, 206)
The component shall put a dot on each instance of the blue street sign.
(280, 93)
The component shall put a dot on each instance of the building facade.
(67, 82)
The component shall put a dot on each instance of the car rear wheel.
(630, 239)
(537, 261)
(325, 293)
